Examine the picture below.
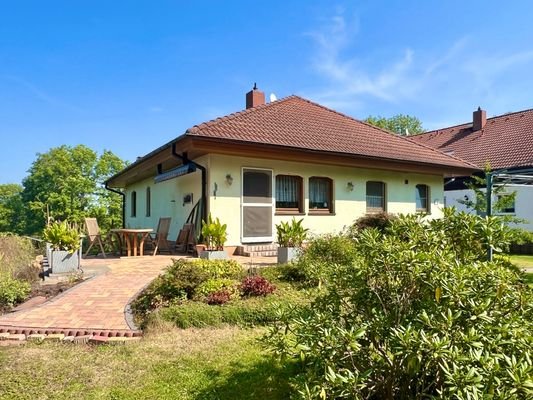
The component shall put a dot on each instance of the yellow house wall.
(348, 205)
(166, 201)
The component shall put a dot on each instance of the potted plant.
(63, 247)
(215, 236)
(290, 238)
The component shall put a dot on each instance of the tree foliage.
(401, 124)
(502, 198)
(416, 312)
(11, 208)
(65, 183)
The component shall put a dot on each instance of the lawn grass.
(522, 260)
(224, 363)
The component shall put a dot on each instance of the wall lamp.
(229, 179)
(350, 186)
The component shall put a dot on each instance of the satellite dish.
(273, 97)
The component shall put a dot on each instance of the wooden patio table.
(134, 239)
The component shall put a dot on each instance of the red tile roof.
(299, 123)
(505, 141)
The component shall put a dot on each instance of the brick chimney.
(479, 119)
(254, 97)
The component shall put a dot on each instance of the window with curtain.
(134, 204)
(148, 201)
(289, 194)
(422, 198)
(375, 197)
(320, 195)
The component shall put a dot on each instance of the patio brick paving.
(98, 303)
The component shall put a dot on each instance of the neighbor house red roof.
(298, 123)
(505, 141)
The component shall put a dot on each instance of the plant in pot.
(215, 236)
(63, 247)
(290, 238)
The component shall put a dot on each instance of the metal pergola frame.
(522, 177)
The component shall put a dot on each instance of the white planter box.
(287, 254)
(214, 255)
(61, 261)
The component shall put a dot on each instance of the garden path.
(100, 304)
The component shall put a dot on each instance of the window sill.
(281, 212)
(320, 213)
(374, 211)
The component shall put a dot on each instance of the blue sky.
(130, 75)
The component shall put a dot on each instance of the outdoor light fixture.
(229, 179)
(350, 186)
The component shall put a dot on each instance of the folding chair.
(159, 238)
(93, 234)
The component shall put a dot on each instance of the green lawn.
(522, 260)
(224, 363)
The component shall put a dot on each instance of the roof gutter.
(184, 160)
(123, 203)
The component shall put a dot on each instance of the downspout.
(204, 179)
(123, 203)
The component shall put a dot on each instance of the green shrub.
(12, 291)
(380, 221)
(289, 272)
(17, 258)
(243, 312)
(416, 312)
(215, 285)
(219, 269)
(186, 280)
(321, 253)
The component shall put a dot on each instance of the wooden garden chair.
(159, 238)
(184, 237)
(93, 235)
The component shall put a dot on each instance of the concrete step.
(258, 250)
(260, 253)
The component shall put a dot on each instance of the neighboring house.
(272, 162)
(504, 142)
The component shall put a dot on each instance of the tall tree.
(11, 208)
(401, 124)
(66, 184)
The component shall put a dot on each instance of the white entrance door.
(256, 205)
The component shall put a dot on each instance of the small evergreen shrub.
(416, 312)
(289, 272)
(214, 285)
(256, 285)
(12, 291)
(321, 253)
(379, 221)
(218, 269)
